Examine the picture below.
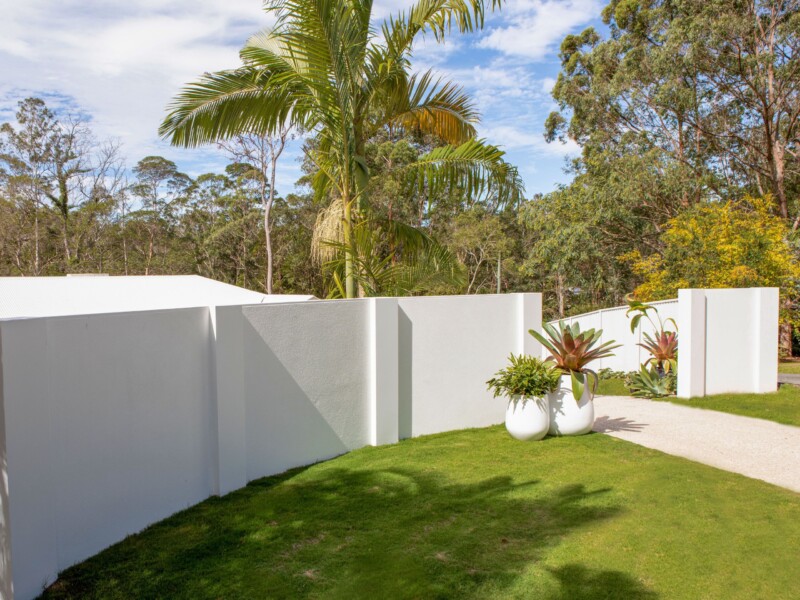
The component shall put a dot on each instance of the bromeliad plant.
(572, 349)
(663, 346)
(525, 376)
(647, 382)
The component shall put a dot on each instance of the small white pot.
(568, 417)
(527, 419)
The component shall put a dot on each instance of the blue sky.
(121, 62)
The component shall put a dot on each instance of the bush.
(651, 383)
(525, 376)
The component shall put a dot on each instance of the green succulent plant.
(524, 376)
(648, 382)
(572, 349)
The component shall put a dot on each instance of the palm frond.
(474, 167)
(227, 103)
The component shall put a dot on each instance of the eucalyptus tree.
(713, 87)
(326, 69)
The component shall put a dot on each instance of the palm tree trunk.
(349, 272)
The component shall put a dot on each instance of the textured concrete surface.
(789, 378)
(752, 447)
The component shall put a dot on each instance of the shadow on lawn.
(580, 583)
(354, 533)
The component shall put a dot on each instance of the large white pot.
(568, 417)
(527, 418)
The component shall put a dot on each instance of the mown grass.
(469, 514)
(782, 406)
(612, 387)
(789, 366)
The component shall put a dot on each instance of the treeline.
(70, 203)
(687, 113)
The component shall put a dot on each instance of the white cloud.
(122, 62)
(524, 138)
(534, 28)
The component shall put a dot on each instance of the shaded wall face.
(6, 579)
(109, 428)
(306, 383)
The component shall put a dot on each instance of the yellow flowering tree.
(723, 244)
(714, 245)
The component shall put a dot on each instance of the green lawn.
(782, 406)
(470, 514)
(612, 387)
(792, 367)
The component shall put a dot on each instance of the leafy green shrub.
(525, 376)
(606, 373)
(647, 382)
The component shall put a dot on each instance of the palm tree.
(325, 69)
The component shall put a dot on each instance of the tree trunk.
(267, 210)
(785, 340)
(349, 271)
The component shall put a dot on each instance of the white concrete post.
(691, 343)
(529, 316)
(384, 371)
(227, 330)
(765, 347)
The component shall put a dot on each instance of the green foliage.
(393, 259)
(607, 373)
(323, 67)
(525, 376)
(675, 105)
(572, 349)
(648, 382)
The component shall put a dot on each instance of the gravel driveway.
(753, 447)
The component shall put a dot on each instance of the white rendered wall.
(616, 326)
(115, 421)
(306, 383)
(449, 347)
(108, 429)
(732, 341)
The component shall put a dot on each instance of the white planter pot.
(527, 419)
(568, 417)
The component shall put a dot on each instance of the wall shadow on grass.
(577, 582)
(338, 532)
